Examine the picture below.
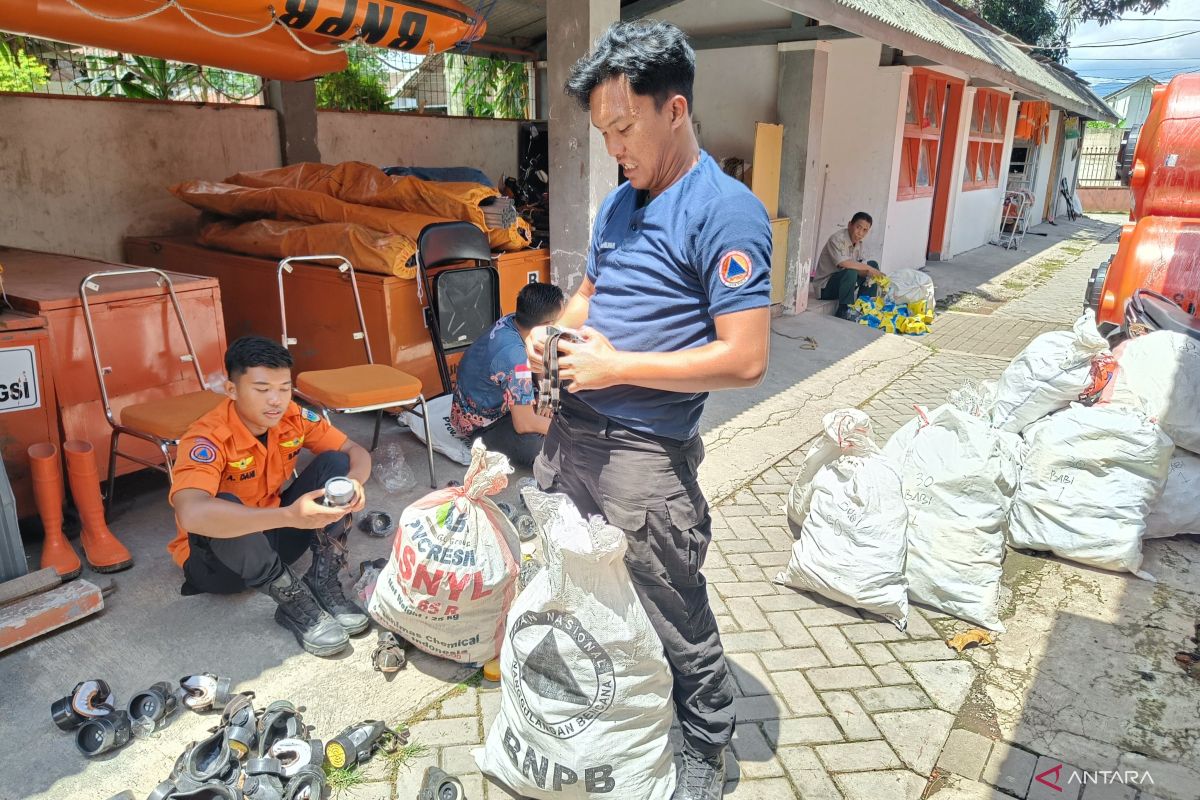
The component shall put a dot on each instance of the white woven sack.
(1048, 375)
(1177, 510)
(1160, 373)
(910, 286)
(1089, 477)
(585, 690)
(452, 574)
(959, 475)
(445, 441)
(847, 511)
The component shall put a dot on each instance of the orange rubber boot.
(102, 550)
(48, 491)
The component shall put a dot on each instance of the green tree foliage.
(361, 86)
(1106, 11)
(19, 71)
(140, 77)
(1031, 21)
(491, 87)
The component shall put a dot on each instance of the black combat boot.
(702, 777)
(324, 579)
(315, 630)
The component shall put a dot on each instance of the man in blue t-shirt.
(675, 304)
(493, 396)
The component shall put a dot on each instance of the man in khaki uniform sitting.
(841, 272)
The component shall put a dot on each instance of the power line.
(1131, 43)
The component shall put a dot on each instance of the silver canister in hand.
(339, 492)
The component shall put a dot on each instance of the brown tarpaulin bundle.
(351, 204)
(299, 205)
(356, 182)
(367, 250)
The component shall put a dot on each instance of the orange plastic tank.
(1166, 168)
(1157, 253)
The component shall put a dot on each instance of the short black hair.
(255, 351)
(538, 304)
(861, 215)
(654, 56)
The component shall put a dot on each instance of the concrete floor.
(149, 633)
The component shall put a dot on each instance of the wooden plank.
(779, 250)
(768, 151)
(26, 585)
(34, 616)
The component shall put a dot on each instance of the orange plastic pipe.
(170, 35)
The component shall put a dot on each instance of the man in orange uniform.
(243, 531)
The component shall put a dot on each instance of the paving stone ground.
(833, 703)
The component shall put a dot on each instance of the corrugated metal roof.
(521, 22)
(939, 25)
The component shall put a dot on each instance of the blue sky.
(1110, 67)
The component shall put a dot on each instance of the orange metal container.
(138, 335)
(1157, 253)
(1166, 167)
(28, 411)
(320, 306)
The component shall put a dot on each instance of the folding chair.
(361, 387)
(462, 304)
(160, 422)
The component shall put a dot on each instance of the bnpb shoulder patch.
(203, 451)
(309, 415)
(734, 268)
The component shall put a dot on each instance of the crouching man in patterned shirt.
(494, 398)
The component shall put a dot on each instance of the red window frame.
(985, 139)
(925, 106)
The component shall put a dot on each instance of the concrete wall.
(1105, 200)
(400, 139)
(859, 146)
(735, 88)
(81, 174)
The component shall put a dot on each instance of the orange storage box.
(1166, 168)
(321, 309)
(1161, 254)
(139, 338)
(28, 414)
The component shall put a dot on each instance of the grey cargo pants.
(647, 486)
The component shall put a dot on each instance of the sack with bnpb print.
(452, 574)
(585, 690)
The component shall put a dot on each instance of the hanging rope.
(481, 17)
(133, 18)
(313, 50)
(223, 34)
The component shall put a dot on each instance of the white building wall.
(859, 145)
(976, 216)
(907, 236)
(82, 174)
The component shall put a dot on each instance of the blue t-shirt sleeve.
(731, 251)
